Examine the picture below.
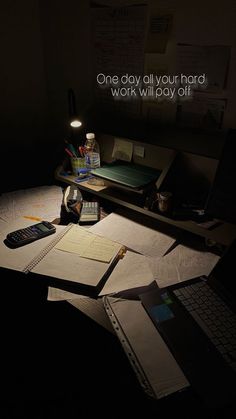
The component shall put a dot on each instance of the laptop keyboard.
(213, 316)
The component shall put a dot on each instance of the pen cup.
(77, 163)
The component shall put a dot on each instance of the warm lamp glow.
(75, 123)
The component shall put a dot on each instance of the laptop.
(197, 321)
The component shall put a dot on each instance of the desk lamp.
(74, 120)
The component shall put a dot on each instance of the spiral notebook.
(63, 269)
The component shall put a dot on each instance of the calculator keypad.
(90, 213)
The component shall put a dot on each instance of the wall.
(205, 22)
(45, 49)
(23, 104)
(65, 34)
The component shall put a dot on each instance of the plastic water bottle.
(92, 151)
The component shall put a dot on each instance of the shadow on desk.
(58, 363)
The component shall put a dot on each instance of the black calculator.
(29, 234)
(90, 213)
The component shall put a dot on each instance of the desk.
(58, 322)
(223, 234)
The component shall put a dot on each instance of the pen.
(71, 148)
(68, 152)
(81, 151)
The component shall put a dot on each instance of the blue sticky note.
(161, 313)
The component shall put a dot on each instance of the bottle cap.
(90, 135)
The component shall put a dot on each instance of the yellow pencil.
(32, 218)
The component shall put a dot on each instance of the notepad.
(88, 245)
(63, 269)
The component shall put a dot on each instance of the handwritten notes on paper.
(181, 264)
(134, 236)
(159, 28)
(43, 202)
(213, 60)
(118, 38)
(88, 245)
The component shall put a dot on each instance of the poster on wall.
(118, 37)
(211, 60)
(202, 113)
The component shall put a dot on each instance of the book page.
(71, 267)
(18, 258)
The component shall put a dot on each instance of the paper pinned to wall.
(118, 37)
(122, 150)
(202, 112)
(159, 29)
(211, 60)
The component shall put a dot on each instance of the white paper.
(56, 294)
(158, 364)
(71, 267)
(130, 272)
(89, 306)
(181, 264)
(134, 236)
(211, 60)
(18, 258)
(42, 203)
(118, 37)
(93, 309)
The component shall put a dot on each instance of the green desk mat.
(131, 175)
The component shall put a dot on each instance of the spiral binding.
(128, 349)
(46, 249)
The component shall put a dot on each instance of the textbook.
(73, 258)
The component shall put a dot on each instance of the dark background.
(45, 50)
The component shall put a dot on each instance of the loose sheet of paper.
(132, 271)
(181, 264)
(88, 245)
(122, 150)
(35, 204)
(160, 367)
(56, 294)
(91, 307)
(212, 60)
(134, 236)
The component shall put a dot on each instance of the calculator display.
(40, 227)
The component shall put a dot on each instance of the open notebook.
(63, 260)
